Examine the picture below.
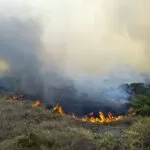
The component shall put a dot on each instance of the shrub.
(137, 136)
(141, 104)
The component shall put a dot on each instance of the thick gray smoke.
(21, 49)
(63, 51)
(29, 72)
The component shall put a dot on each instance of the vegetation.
(137, 137)
(141, 104)
(23, 127)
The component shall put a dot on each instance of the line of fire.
(90, 117)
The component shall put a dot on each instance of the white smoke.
(95, 44)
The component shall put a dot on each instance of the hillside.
(23, 127)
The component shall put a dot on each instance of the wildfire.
(58, 109)
(100, 118)
(90, 118)
(36, 103)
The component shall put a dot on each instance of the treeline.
(140, 98)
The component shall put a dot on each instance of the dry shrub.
(23, 127)
(137, 137)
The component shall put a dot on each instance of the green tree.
(141, 104)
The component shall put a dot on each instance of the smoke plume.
(74, 52)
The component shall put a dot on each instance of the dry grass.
(137, 137)
(23, 127)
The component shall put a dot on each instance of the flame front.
(90, 117)
(101, 118)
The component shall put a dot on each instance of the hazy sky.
(89, 35)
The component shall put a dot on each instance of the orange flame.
(36, 103)
(84, 119)
(90, 118)
(58, 109)
(102, 116)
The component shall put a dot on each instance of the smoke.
(90, 36)
(75, 52)
(19, 48)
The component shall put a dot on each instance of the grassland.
(23, 127)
